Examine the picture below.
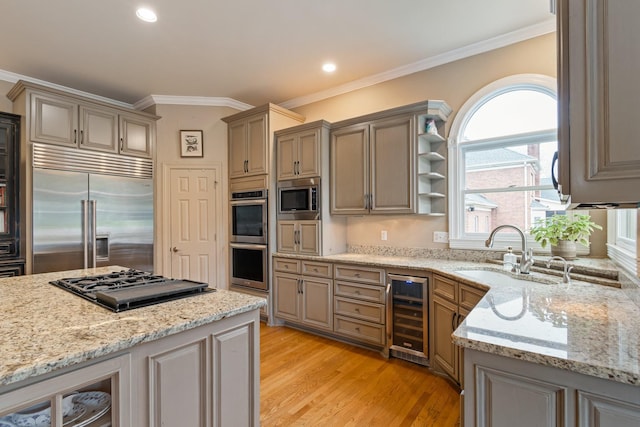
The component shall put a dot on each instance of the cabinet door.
(392, 170)
(317, 302)
(286, 157)
(350, 170)
(602, 411)
(599, 63)
(287, 289)
(287, 236)
(257, 145)
(502, 397)
(308, 154)
(309, 237)
(136, 135)
(237, 148)
(178, 385)
(445, 352)
(54, 120)
(98, 129)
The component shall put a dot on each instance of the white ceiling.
(254, 51)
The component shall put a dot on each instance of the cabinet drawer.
(373, 276)
(360, 309)
(359, 291)
(318, 269)
(359, 330)
(286, 265)
(470, 296)
(445, 288)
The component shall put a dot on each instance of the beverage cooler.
(408, 318)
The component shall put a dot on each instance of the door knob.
(174, 249)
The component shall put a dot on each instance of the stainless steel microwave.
(299, 199)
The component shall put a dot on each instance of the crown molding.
(517, 36)
(14, 78)
(191, 100)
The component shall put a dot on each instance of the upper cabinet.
(384, 163)
(248, 147)
(298, 151)
(599, 97)
(57, 118)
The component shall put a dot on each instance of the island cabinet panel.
(177, 386)
(235, 377)
(207, 376)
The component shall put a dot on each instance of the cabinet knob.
(174, 249)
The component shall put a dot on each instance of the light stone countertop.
(582, 327)
(44, 328)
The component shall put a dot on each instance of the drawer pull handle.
(357, 292)
(357, 310)
(315, 269)
(357, 274)
(357, 329)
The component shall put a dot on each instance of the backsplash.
(433, 253)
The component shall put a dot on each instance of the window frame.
(458, 238)
(620, 249)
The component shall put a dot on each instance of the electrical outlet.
(440, 237)
(383, 235)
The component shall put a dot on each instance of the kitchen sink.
(493, 277)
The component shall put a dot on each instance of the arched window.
(504, 138)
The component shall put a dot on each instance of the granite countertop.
(45, 328)
(582, 327)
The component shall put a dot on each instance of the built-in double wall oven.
(248, 237)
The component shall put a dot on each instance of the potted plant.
(562, 232)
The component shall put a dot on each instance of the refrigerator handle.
(85, 232)
(94, 240)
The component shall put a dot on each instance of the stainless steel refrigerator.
(83, 220)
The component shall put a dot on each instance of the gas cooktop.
(128, 289)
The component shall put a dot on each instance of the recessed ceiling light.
(146, 15)
(329, 67)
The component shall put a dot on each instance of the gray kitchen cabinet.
(137, 134)
(451, 302)
(55, 117)
(303, 293)
(359, 303)
(298, 150)
(507, 389)
(248, 146)
(598, 67)
(383, 164)
(299, 237)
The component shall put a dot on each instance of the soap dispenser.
(509, 259)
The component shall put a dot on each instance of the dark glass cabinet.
(10, 262)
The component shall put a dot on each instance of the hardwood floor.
(312, 381)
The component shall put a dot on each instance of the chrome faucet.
(526, 259)
(567, 268)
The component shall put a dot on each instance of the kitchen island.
(191, 361)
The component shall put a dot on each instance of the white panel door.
(193, 225)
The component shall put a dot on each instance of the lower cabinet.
(303, 293)
(451, 302)
(505, 390)
(207, 376)
(359, 302)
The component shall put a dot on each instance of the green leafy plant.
(551, 230)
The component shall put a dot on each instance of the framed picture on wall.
(191, 143)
